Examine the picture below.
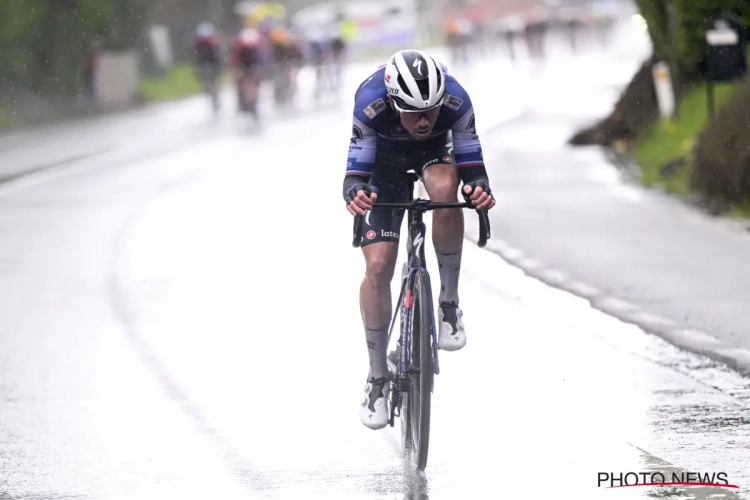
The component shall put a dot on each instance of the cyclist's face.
(420, 124)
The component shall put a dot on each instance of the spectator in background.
(91, 69)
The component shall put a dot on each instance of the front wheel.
(417, 403)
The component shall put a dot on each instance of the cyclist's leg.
(380, 233)
(380, 248)
(440, 177)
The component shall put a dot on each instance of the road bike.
(414, 363)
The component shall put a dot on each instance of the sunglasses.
(429, 111)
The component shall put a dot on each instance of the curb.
(694, 341)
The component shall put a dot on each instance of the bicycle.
(209, 75)
(416, 364)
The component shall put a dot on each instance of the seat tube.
(409, 219)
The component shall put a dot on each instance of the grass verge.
(181, 81)
(741, 211)
(671, 142)
(5, 120)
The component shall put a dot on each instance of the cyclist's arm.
(361, 159)
(467, 148)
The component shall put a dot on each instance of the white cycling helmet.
(250, 36)
(205, 30)
(415, 80)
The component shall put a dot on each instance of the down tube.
(428, 287)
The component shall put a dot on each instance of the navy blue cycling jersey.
(377, 127)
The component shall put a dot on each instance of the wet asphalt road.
(170, 329)
(569, 210)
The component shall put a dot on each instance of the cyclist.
(206, 44)
(283, 55)
(207, 52)
(246, 58)
(338, 51)
(317, 52)
(410, 114)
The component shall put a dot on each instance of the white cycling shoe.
(452, 335)
(374, 407)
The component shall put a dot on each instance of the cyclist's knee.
(380, 261)
(441, 182)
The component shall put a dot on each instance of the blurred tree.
(655, 14)
(43, 43)
(125, 27)
(692, 18)
(17, 24)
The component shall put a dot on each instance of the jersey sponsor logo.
(447, 159)
(453, 102)
(472, 126)
(388, 234)
(357, 134)
(371, 234)
(375, 108)
(430, 163)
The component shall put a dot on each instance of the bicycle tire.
(403, 396)
(420, 387)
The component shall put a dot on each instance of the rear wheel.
(417, 402)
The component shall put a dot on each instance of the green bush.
(722, 154)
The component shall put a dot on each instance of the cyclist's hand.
(479, 193)
(358, 199)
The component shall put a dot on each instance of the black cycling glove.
(351, 193)
(475, 184)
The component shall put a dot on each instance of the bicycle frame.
(416, 261)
